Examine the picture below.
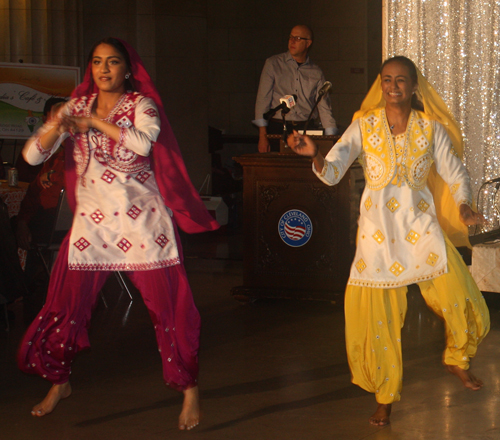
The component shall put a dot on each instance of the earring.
(127, 76)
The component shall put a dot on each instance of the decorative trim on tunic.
(125, 266)
(41, 150)
(392, 284)
(465, 202)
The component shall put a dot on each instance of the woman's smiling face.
(397, 84)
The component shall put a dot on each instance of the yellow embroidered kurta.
(400, 241)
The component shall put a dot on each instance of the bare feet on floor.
(469, 380)
(381, 416)
(190, 415)
(55, 394)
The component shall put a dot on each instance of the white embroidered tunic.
(120, 221)
(399, 239)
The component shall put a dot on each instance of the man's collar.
(290, 58)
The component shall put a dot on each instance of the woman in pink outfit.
(129, 189)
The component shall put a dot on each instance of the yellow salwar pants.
(374, 318)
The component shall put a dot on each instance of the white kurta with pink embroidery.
(120, 222)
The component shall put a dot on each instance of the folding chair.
(488, 204)
(62, 224)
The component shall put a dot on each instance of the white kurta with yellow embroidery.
(400, 241)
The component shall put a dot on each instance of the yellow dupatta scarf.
(436, 109)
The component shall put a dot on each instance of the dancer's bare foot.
(469, 380)
(381, 416)
(190, 415)
(55, 394)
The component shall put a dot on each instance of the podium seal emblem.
(295, 228)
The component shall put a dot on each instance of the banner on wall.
(24, 89)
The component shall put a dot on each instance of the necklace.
(392, 127)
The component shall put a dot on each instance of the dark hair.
(412, 69)
(50, 103)
(118, 45)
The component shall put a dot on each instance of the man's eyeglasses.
(294, 38)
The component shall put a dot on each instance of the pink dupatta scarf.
(168, 166)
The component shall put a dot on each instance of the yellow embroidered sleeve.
(452, 151)
(323, 171)
(454, 188)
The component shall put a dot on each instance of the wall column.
(20, 31)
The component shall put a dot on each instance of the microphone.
(324, 89)
(286, 103)
(289, 100)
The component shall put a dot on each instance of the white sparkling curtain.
(456, 45)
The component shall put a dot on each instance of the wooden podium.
(324, 142)
(299, 232)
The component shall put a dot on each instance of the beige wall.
(204, 55)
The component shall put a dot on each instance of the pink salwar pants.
(61, 328)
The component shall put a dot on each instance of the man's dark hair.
(50, 103)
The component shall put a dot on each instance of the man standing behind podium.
(292, 73)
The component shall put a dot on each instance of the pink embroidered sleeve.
(139, 137)
(39, 148)
(123, 137)
(34, 153)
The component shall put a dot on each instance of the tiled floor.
(272, 370)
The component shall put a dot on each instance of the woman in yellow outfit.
(414, 209)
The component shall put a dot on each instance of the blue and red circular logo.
(295, 228)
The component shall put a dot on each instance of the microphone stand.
(285, 131)
(270, 113)
(312, 111)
